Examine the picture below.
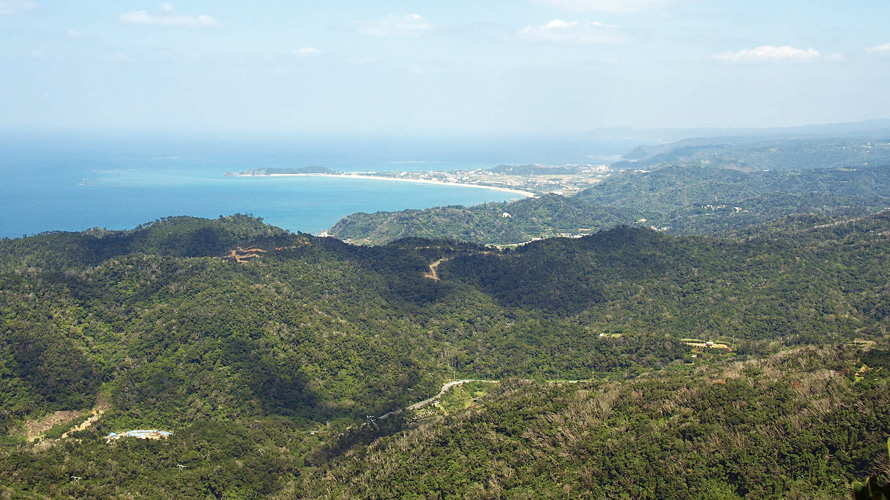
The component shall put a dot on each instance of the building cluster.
(140, 434)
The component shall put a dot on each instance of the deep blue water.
(71, 184)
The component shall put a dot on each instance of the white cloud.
(879, 49)
(402, 26)
(307, 52)
(7, 8)
(573, 32)
(770, 53)
(602, 5)
(168, 18)
(73, 34)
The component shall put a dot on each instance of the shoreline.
(527, 194)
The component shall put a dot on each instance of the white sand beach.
(526, 194)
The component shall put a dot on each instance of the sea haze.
(71, 184)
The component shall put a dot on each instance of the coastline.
(526, 194)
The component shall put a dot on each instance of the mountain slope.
(790, 426)
(683, 199)
(291, 350)
(549, 215)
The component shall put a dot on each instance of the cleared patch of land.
(34, 429)
(242, 255)
(705, 344)
(434, 270)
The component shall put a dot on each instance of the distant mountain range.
(868, 128)
(698, 197)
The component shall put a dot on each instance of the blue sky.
(436, 67)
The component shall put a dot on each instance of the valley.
(266, 369)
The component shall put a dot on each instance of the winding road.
(434, 270)
(448, 385)
(445, 388)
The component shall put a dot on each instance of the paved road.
(445, 388)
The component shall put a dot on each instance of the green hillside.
(765, 153)
(789, 426)
(549, 215)
(270, 355)
(679, 198)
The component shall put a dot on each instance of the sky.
(440, 67)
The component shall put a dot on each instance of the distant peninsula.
(524, 180)
(309, 169)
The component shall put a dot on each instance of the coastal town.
(527, 180)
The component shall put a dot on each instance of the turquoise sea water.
(73, 182)
(72, 185)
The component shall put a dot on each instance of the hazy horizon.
(428, 69)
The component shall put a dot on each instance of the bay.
(74, 186)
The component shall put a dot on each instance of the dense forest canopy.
(679, 198)
(271, 355)
(765, 153)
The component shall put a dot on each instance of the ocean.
(70, 183)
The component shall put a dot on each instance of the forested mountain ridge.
(788, 426)
(288, 352)
(489, 223)
(171, 236)
(764, 153)
(680, 198)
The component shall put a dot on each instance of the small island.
(309, 169)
